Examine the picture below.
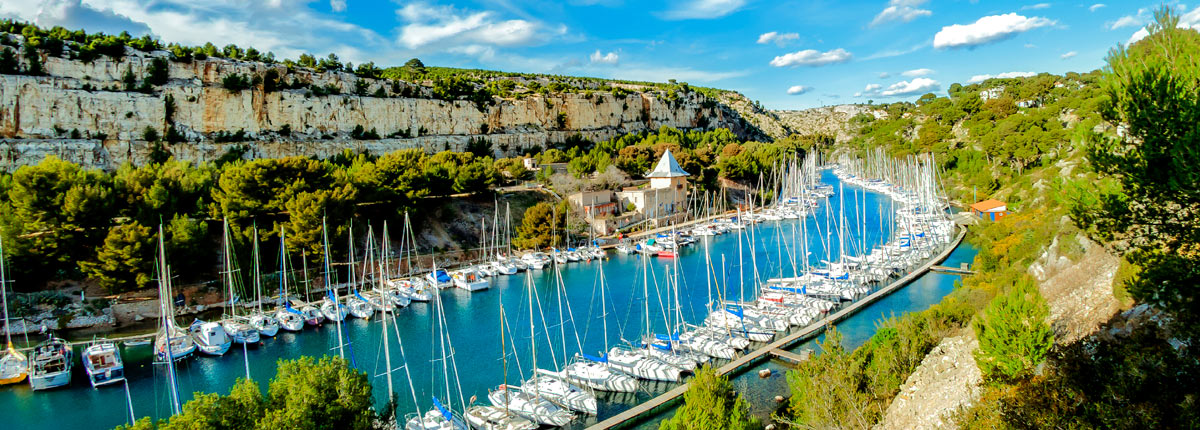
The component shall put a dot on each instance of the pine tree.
(710, 403)
(1013, 334)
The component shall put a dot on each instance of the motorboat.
(50, 364)
(210, 338)
(469, 280)
(103, 364)
(415, 289)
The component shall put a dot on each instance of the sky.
(786, 54)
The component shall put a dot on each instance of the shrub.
(1013, 334)
(235, 82)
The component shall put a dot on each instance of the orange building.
(990, 209)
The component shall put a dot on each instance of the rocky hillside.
(826, 120)
(97, 113)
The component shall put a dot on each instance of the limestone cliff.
(80, 112)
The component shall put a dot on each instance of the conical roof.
(667, 167)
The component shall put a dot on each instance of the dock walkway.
(779, 345)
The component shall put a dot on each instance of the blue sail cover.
(736, 310)
(664, 347)
(359, 297)
(637, 247)
(445, 412)
(329, 294)
(672, 337)
(600, 359)
(441, 276)
(288, 306)
(788, 289)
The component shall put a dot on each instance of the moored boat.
(103, 364)
(50, 364)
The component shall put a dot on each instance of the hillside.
(101, 107)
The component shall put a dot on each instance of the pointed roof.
(667, 167)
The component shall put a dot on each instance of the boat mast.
(4, 297)
(168, 313)
(337, 306)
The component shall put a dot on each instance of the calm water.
(473, 324)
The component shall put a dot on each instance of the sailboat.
(415, 288)
(640, 362)
(490, 417)
(234, 326)
(312, 315)
(51, 363)
(439, 417)
(172, 342)
(331, 308)
(359, 306)
(13, 364)
(265, 324)
(210, 337)
(289, 318)
(103, 364)
(527, 401)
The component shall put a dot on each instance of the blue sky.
(787, 54)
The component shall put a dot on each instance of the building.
(990, 209)
(531, 164)
(594, 204)
(664, 199)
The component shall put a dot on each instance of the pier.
(962, 269)
(778, 346)
(791, 357)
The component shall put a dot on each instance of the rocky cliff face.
(827, 120)
(80, 112)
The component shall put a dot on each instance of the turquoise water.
(473, 324)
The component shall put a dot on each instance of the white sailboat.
(172, 342)
(264, 323)
(492, 417)
(439, 417)
(289, 318)
(14, 366)
(359, 306)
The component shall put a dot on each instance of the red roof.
(987, 205)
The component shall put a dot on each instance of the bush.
(150, 134)
(157, 71)
(1013, 334)
(711, 403)
(235, 82)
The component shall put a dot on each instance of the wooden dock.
(962, 269)
(779, 345)
(792, 357)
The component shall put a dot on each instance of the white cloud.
(907, 88)
(701, 9)
(811, 57)
(884, 75)
(1126, 21)
(986, 30)
(610, 58)
(1096, 6)
(900, 10)
(434, 26)
(917, 72)
(1030, 45)
(1188, 20)
(337, 5)
(796, 90)
(1068, 55)
(777, 38)
(870, 90)
(73, 14)
(980, 78)
(1036, 6)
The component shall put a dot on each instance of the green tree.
(1152, 89)
(121, 264)
(311, 394)
(540, 227)
(710, 403)
(1013, 334)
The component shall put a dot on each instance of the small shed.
(990, 209)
